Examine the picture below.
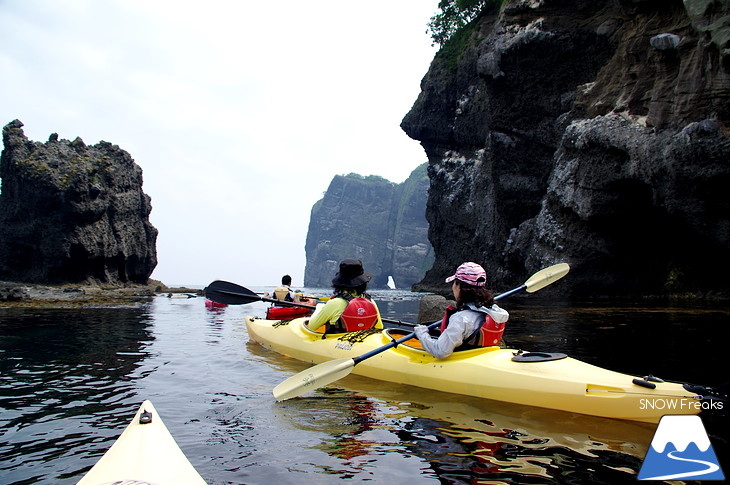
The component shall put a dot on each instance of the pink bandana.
(471, 274)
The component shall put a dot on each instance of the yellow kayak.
(145, 453)
(553, 381)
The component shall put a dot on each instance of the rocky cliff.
(72, 213)
(594, 133)
(378, 221)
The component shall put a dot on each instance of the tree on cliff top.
(455, 14)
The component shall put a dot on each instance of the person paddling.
(350, 308)
(475, 322)
(284, 292)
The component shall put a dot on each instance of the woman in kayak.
(475, 322)
(350, 308)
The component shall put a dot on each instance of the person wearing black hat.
(350, 308)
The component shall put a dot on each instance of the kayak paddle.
(333, 370)
(233, 294)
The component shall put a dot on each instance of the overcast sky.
(239, 112)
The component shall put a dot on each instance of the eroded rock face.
(588, 132)
(377, 221)
(635, 212)
(72, 213)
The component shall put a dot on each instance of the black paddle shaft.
(232, 294)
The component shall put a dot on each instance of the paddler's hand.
(421, 332)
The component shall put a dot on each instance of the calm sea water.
(70, 381)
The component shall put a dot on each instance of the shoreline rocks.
(24, 295)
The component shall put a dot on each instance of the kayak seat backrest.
(319, 330)
(414, 342)
(397, 333)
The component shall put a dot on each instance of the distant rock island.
(378, 221)
(593, 133)
(71, 213)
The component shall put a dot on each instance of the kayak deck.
(491, 372)
(144, 454)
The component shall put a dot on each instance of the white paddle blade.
(546, 276)
(313, 378)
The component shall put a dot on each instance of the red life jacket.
(360, 313)
(489, 333)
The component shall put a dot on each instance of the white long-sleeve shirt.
(461, 325)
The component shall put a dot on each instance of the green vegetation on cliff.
(453, 28)
(456, 14)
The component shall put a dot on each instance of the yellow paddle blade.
(313, 378)
(546, 276)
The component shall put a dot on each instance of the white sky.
(239, 112)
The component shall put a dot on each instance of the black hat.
(351, 274)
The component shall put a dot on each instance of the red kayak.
(214, 304)
(290, 312)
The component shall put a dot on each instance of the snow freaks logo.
(682, 450)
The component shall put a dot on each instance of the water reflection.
(61, 366)
(465, 440)
(459, 439)
(69, 380)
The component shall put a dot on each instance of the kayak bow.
(145, 453)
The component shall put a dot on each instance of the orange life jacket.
(282, 293)
(489, 333)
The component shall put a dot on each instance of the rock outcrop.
(594, 133)
(72, 213)
(378, 221)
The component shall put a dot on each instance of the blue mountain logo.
(681, 450)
